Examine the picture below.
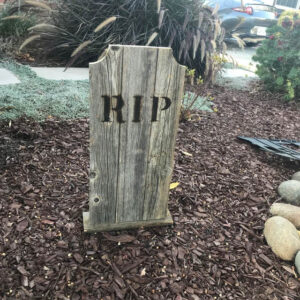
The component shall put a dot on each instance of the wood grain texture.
(131, 162)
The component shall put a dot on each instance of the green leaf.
(280, 81)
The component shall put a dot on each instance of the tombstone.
(135, 103)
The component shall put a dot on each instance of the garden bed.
(215, 250)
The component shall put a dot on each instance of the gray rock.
(290, 191)
(282, 236)
(296, 176)
(288, 211)
(297, 262)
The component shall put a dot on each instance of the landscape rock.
(287, 211)
(282, 236)
(296, 176)
(297, 262)
(290, 191)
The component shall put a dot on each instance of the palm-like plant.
(82, 29)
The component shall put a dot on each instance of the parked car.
(246, 19)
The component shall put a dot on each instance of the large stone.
(296, 176)
(290, 191)
(297, 262)
(282, 236)
(288, 211)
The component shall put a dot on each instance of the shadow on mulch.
(216, 248)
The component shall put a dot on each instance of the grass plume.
(186, 26)
(80, 47)
(105, 23)
(29, 40)
(38, 4)
(14, 17)
(42, 26)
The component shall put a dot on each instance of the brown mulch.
(215, 250)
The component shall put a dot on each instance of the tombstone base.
(126, 225)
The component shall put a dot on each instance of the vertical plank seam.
(127, 126)
(119, 146)
(108, 63)
(164, 124)
(149, 148)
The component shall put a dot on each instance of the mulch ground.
(215, 250)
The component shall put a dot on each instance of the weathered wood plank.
(134, 140)
(126, 225)
(136, 96)
(105, 78)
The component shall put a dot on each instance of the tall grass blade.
(158, 5)
(160, 18)
(203, 48)
(152, 38)
(216, 9)
(200, 19)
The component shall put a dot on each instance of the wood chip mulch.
(215, 250)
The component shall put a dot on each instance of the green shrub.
(83, 29)
(279, 57)
(14, 25)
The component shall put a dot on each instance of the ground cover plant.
(39, 98)
(278, 57)
(81, 30)
(215, 250)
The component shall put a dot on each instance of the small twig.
(91, 270)
(57, 278)
(133, 290)
(134, 265)
(251, 232)
(116, 270)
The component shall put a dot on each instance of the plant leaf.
(174, 185)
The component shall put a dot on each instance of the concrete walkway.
(242, 58)
(60, 74)
(7, 77)
(238, 74)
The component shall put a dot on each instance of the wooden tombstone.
(136, 95)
